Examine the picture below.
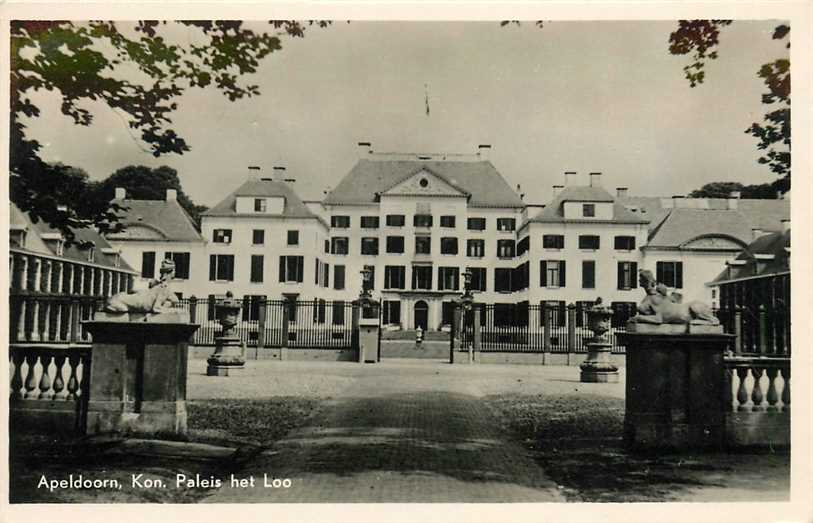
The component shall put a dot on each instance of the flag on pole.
(426, 97)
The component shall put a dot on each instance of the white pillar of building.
(37, 275)
(24, 273)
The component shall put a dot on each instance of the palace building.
(420, 221)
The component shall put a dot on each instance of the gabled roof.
(167, 217)
(773, 248)
(370, 177)
(683, 225)
(294, 206)
(70, 252)
(554, 212)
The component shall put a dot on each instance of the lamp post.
(466, 301)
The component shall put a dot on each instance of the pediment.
(138, 231)
(424, 183)
(722, 243)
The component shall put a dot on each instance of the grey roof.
(370, 177)
(167, 217)
(294, 206)
(683, 225)
(776, 244)
(71, 252)
(554, 212)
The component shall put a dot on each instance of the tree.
(144, 183)
(699, 38)
(764, 191)
(137, 71)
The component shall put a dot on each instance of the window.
(181, 261)
(553, 241)
(17, 238)
(625, 243)
(258, 237)
(338, 277)
(395, 220)
(447, 221)
(589, 242)
(505, 248)
(369, 246)
(506, 224)
(448, 245)
(291, 269)
(221, 267)
(478, 278)
(260, 205)
(422, 277)
(321, 273)
(251, 306)
(552, 273)
(423, 245)
(670, 273)
(446, 313)
(502, 280)
(369, 222)
(556, 311)
(392, 312)
(339, 245)
(394, 277)
(475, 248)
(448, 278)
(148, 264)
(221, 236)
(340, 222)
(627, 275)
(588, 210)
(338, 312)
(589, 274)
(476, 224)
(327, 246)
(519, 277)
(371, 268)
(422, 220)
(318, 311)
(256, 268)
(523, 245)
(395, 244)
(293, 237)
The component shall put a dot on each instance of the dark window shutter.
(246, 308)
(562, 278)
(212, 267)
(678, 275)
(148, 264)
(543, 274)
(659, 272)
(282, 268)
(230, 265)
(620, 275)
(300, 267)
(210, 307)
(633, 275)
(562, 312)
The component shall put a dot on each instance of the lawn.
(250, 426)
(577, 440)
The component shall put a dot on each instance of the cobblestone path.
(397, 440)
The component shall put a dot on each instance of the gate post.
(261, 321)
(286, 314)
(477, 334)
(546, 333)
(571, 330)
(455, 336)
(737, 331)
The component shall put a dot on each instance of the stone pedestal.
(675, 395)
(138, 373)
(228, 358)
(598, 368)
(368, 340)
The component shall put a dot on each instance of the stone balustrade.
(44, 319)
(758, 399)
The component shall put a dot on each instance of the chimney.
(621, 192)
(365, 149)
(679, 201)
(733, 203)
(121, 193)
(570, 178)
(595, 179)
(254, 172)
(785, 225)
(172, 195)
(557, 189)
(484, 152)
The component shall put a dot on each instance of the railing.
(758, 331)
(314, 324)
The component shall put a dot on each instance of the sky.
(571, 96)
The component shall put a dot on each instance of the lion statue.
(658, 307)
(156, 299)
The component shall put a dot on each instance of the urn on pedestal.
(229, 355)
(598, 368)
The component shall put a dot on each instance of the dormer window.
(589, 210)
(92, 254)
(260, 205)
(17, 237)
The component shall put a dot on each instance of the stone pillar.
(368, 325)
(37, 275)
(675, 390)
(11, 268)
(138, 373)
(478, 337)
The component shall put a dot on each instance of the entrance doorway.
(421, 315)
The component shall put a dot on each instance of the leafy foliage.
(135, 71)
(764, 191)
(144, 183)
(699, 38)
